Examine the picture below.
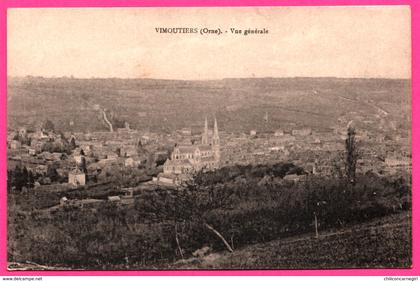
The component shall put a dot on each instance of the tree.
(83, 165)
(49, 125)
(141, 150)
(10, 180)
(31, 180)
(48, 146)
(73, 144)
(23, 139)
(352, 154)
(20, 180)
(25, 175)
(52, 173)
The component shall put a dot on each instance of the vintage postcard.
(209, 138)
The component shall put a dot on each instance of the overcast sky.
(302, 41)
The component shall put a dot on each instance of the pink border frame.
(415, 27)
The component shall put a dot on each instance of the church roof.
(183, 162)
(186, 149)
(192, 148)
(204, 147)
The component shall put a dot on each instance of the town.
(135, 160)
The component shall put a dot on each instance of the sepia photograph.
(209, 138)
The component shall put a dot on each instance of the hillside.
(381, 243)
(365, 245)
(239, 104)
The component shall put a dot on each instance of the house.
(87, 148)
(41, 169)
(253, 133)
(63, 201)
(78, 159)
(128, 192)
(128, 151)
(286, 138)
(293, 178)
(40, 135)
(77, 177)
(276, 148)
(316, 140)
(132, 162)
(129, 162)
(14, 144)
(397, 162)
(278, 133)
(362, 135)
(114, 199)
(112, 156)
(145, 139)
(57, 156)
(37, 145)
(185, 131)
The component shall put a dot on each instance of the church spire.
(205, 135)
(216, 140)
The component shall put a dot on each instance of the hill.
(239, 104)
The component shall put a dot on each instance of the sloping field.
(380, 243)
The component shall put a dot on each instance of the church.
(187, 159)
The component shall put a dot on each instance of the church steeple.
(205, 135)
(216, 140)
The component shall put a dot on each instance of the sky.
(365, 42)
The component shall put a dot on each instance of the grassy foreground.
(380, 243)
